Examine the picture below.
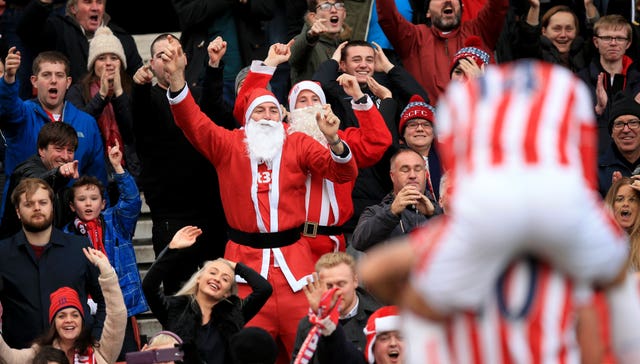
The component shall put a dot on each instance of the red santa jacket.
(328, 203)
(239, 184)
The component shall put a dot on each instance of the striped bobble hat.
(472, 49)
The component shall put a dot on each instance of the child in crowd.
(111, 231)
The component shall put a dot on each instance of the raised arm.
(261, 291)
(162, 267)
(116, 319)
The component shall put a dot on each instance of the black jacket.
(353, 327)
(372, 183)
(377, 223)
(195, 18)
(181, 314)
(529, 43)
(42, 30)
(628, 83)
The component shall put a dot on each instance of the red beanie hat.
(416, 109)
(383, 320)
(62, 298)
(473, 49)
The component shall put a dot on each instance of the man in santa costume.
(329, 205)
(263, 172)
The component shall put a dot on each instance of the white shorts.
(500, 215)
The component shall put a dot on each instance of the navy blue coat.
(26, 283)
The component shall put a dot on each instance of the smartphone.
(154, 356)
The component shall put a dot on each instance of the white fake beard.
(304, 120)
(264, 140)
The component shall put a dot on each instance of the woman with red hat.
(68, 332)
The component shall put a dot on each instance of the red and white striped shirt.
(524, 115)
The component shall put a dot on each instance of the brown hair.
(86, 181)
(59, 134)
(50, 57)
(546, 18)
(613, 22)
(354, 43)
(29, 186)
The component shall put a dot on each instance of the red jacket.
(426, 52)
(239, 177)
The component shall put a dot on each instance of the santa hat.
(416, 109)
(256, 97)
(105, 42)
(305, 85)
(64, 297)
(385, 319)
(472, 48)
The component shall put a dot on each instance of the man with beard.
(329, 205)
(37, 261)
(426, 50)
(54, 163)
(263, 172)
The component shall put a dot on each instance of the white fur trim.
(305, 85)
(259, 67)
(387, 323)
(178, 99)
(259, 100)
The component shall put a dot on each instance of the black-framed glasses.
(632, 124)
(608, 38)
(327, 6)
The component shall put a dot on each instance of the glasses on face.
(415, 124)
(632, 124)
(608, 38)
(327, 6)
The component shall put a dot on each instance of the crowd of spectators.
(274, 145)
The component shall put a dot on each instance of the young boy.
(111, 231)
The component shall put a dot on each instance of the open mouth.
(447, 9)
(53, 91)
(394, 354)
(625, 213)
(334, 20)
(93, 18)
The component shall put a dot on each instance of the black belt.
(265, 240)
(312, 229)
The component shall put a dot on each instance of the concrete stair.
(145, 256)
(142, 238)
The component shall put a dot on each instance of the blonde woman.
(206, 312)
(623, 198)
(68, 332)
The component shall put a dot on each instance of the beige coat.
(112, 333)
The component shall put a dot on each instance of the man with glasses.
(622, 157)
(610, 71)
(324, 30)
(408, 206)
